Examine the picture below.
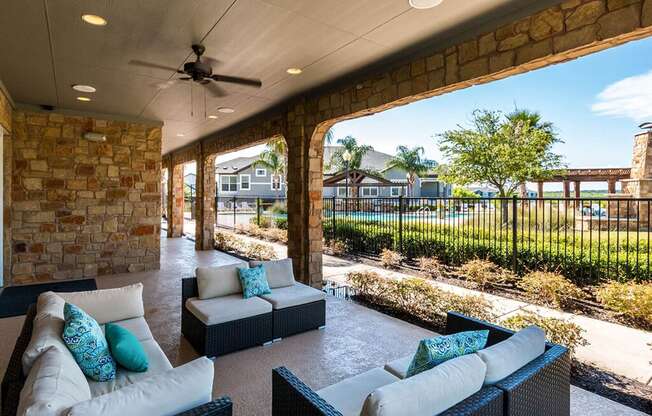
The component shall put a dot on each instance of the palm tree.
(271, 159)
(357, 152)
(412, 162)
(329, 136)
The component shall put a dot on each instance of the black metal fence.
(235, 211)
(588, 239)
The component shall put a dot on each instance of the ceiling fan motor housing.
(197, 70)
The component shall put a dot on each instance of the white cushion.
(46, 333)
(297, 294)
(399, 366)
(158, 363)
(137, 326)
(349, 395)
(430, 392)
(168, 393)
(54, 384)
(505, 357)
(109, 305)
(49, 304)
(227, 308)
(279, 272)
(219, 281)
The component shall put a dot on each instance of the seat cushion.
(430, 392)
(436, 350)
(109, 305)
(297, 294)
(218, 281)
(158, 363)
(227, 308)
(348, 396)
(168, 393)
(505, 357)
(84, 338)
(137, 326)
(279, 272)
(54, 384)
(399, 366)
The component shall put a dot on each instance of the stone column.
(205, 215)
(175, 201)
(640, 183)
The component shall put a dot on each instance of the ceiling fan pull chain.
(192, 105)
(204, 103)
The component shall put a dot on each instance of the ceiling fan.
(201, 72)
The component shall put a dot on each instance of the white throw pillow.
(46, 333)
(218, 281)
(430, 392)
(53, 386)
(279, 272)
(168, 393)
(504, 358)
(109, 305)
(49, 304)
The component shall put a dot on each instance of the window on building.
(341, 191)
(229, 183)
(276, 182)
(395, 191)
(261, 172)
(245, 182)
(368, 191)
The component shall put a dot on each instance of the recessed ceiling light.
(93, 19)
(180, 134)
(294, 71)
(212, 116)
(83, 99)
(226, 110)
(425, 4)
(83, 88)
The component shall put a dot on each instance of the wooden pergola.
(356, 176)
(577, 176)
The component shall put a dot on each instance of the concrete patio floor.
(355, 339)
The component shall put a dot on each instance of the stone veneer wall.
(80, 208)
(6, 112)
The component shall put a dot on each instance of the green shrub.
(390, 259)
(485, 273)
(628, 299)
(557, 331)
(432, 267)
(417, 297)
(279, 208)
(550, 288)
(281, 223)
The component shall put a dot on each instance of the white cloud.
(630, 97)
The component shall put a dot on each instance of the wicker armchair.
(13, 380)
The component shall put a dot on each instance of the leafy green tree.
(461, 192)
(502, 150)
(274, 161)
(412, 162)
(356, 150)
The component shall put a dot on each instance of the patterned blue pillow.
(434, 351)
(253, 281)
(85, 340)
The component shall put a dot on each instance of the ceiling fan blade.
(184, 78)
(237, 80)
(144, 64)
(215, 89)
(211, 61)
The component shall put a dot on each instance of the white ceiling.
(45, 48)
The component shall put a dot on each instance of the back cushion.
(279, 272)
(504, 358)
(109, 305)
(54, 384)
(47, 329)
(219, 281)
(430, 392)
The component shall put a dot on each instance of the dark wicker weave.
(292, 397)
(540, 388)
(300, 318)
(220, 339)
(14, 380)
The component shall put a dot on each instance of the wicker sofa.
(222, 321)
(539, 388)
(39, 351)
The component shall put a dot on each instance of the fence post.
(258, 211)
(333, 231)
(514, 234)
(234, 213)
(400, 224)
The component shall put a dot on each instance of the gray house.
(238, 177)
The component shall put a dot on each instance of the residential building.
(242, 178)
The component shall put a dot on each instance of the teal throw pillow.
(125, 348)
(253, 281)
(85, 340)
(434, 351)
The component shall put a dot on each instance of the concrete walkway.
(617, 348)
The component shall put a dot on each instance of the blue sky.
(596, 103)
